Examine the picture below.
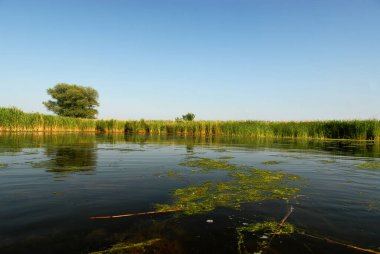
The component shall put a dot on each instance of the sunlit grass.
(349, 129)
(13, 119)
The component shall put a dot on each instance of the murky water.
(222, 189)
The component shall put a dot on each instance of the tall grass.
(13, 119)
(110, 126)
(333, 129)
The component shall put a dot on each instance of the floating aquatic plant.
(124, 248)
(264, 231)
(369, 165)
(170, 173)
(209, 164)
(271, 162)
(327, 161)
(244, 186)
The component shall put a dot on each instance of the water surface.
(50, 185)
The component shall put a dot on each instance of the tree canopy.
(188, 117)
(73, 101)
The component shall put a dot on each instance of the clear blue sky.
(235, 59)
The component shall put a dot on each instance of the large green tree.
(188, 117)
(73, 100)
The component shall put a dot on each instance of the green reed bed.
(343, 129)
(110, 126)
(13, 119)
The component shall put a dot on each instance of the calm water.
(50, 185)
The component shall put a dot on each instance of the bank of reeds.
(15, 120)
(333, 129)
(12, 119)
(110, 126)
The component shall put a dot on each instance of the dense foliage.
(188, 117)
(73, 101)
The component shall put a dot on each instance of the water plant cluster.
(244, 185)
(264, 232)
(126, 247)
(369, 165)
(270, 162)
(13, 119)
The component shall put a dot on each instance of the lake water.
(50, 186)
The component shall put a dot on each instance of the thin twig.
(340, 243)
(280, 225)
(133, 214)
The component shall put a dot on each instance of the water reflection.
(16, 142)
(35, 207)
(190, 147)
(66, 160)
(66, 153)
(336, 147)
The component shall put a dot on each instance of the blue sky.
(236, 59)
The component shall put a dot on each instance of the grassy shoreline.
(15, 120)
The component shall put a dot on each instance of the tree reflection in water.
(71, 159)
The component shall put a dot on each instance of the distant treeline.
(12, 119)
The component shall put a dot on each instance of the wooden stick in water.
(281, 224)
(286, 217)
(133, 214)
(342, 244)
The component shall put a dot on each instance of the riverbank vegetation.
(13, 119)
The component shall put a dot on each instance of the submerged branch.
(340, 243)
(280, 225)
(133, 214)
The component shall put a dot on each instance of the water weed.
(245, 185)
(128, 247)
(369, 165)
(327, 161)
(207, 164)
(271, 162)
(264, 232)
